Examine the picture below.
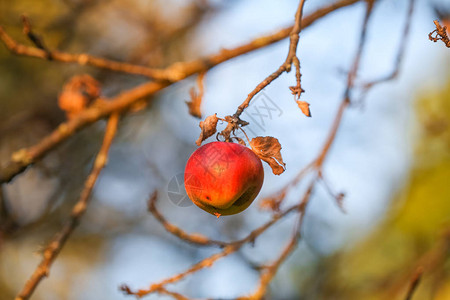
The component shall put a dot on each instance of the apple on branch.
(223, 178)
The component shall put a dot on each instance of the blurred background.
(391, 157)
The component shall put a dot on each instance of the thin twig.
(55, 246)
(174, 295)
(270, 270)
(161, 290)
(40, 51)
(21, 159)
(398, 59)
(196, 239)
(347, 94)
(297, 89)
(3, 209)
(201, 240)
(339, 197)
(207, 262)
(415, 280)
(274, 200)
(428, 262)
(34, 38)
(229, 248)
(294, 37)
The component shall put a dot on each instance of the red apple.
(223, 178)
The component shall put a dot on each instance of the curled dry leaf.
(268, 149)
(304, 107)
(196, 98)
(194, 104)
(77, 94)
(208, 128)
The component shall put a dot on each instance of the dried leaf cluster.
(268, 149)
(77, 94)
(208, 128)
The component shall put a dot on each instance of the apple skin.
(223, 178)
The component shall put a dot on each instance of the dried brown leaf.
(77, 94)
(304, 107)
(268, 149)
(194, 104)
(196, 98)
(208, 128)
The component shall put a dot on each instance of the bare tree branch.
(269, 271)
(160, 290)
(40, 51)
(205, 263)
(400, 54)
(201, 240)
(55, 246)
(415, 280)
(229, 247)
(21, 159)
(350, 84)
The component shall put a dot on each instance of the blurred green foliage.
(415, 233)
